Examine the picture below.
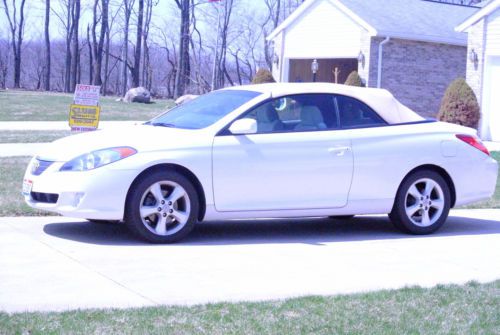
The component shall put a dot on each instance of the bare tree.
(127, 7)
(136, 69)
(98, 44)
(47, 45)
(75, 56)
(16, 25)
(183, 66)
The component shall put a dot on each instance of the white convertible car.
(271, 150)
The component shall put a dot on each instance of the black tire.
(429, 211)
(341, 217)
(141, 194)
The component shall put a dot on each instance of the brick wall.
(417, 73)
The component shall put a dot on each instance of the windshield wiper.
(163, 124)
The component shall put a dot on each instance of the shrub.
(459, 105)
(263, 76)
(354, 79)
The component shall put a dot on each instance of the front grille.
(49, 198)
(39, 166)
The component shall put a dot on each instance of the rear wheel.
(422, 203)
(162, 207)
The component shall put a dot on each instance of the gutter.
(379, 71)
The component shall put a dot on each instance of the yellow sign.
(83, 117)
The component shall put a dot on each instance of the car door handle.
(339, 151)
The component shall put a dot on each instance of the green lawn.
(42, 106)
(11, 179)
(31, 136)
(468, 309)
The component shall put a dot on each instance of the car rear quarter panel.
(383, 156)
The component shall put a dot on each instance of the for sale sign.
(87, 95)
(85, 111)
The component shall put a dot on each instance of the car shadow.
(314, 231)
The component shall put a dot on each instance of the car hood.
(143, 138)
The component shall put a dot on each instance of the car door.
(298, 159)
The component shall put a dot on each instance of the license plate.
(27, 186)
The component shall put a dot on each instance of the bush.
(354, 79)
(263, 76)
(459, 105)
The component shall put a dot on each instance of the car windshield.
(205, 110)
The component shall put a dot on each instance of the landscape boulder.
(185, 98)
(138, 94)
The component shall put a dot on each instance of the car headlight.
(98, 158)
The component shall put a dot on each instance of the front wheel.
(422, 203)
(162, 207)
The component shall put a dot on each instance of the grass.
(451, 309)
(31, 136)
(43, 106)
(11, 179)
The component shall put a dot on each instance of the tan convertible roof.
(382, 101)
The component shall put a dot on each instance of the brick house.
(409, 47)
(483, 65)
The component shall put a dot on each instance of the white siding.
(323, 31)
(493, 34)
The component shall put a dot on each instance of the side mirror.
(243, 126)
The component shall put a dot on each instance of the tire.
(341, 217)
(162, 207)
(422, 203)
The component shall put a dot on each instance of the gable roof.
(487, 9)
(418, 20)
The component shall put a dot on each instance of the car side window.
(303, 112)
(356, 114)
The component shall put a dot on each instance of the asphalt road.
(55, 263)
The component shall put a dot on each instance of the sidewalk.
(57, 263)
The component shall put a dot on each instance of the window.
(355, 114)
(204, 110)
(304, 112)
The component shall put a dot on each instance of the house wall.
(493, 34)
(476, 42)
(417, 73)
(323, 31)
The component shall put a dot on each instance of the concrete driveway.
(54, 263)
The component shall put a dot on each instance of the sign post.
(85, 111)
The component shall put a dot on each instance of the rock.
(138, 94)
(185, 98)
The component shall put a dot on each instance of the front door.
(296, 160)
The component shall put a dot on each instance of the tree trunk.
(91, 61)
(183, 67)
(47, 45)
(76, 51)
(136, 70)
(128, 9)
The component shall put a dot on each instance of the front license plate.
(27, 186)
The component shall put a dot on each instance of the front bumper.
(98, 194)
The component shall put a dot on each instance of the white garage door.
(491, 98)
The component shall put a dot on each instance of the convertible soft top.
(381, 100)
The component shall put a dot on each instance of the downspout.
(379, 71)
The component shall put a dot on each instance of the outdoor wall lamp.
(276, 59)
(314, 68)
(361, 57)
(473, 56)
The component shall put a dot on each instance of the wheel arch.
(442, 172)
(181, 170)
